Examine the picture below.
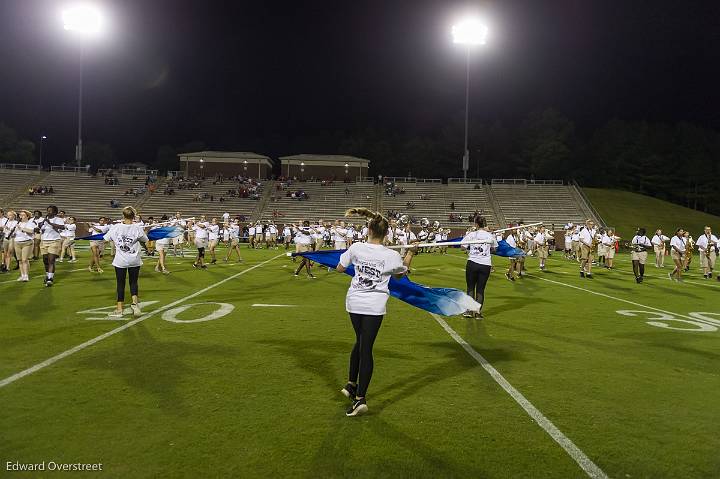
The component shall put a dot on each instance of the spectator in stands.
(452, 205)
(114, 204)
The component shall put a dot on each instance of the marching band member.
(213, 230)
(251, 236)
(658, 242)
(287, 236)
(201, 242)
(303, 244)
(317, 236)
(350, 234)
(677, 253)
(234, 230)
(10, 224)
(161, 246)
(707, 245)
(423, 234)
(179, 240)
(258, 234)
(479, 263)
(587, 240)
(3, 222)
(575, 239)
(68, 240)
(541, 242)
(690, 246)
(24, 236)
(639, 245)
(510, 240)
(126, 236)
(608, 240)
(601, 248)
(340, 236)
(50, 242)
(37, 218)
(97, 246)
(568, 243)
(273, 232)
(366, 301)
(521, 237)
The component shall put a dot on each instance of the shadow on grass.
(155, 367)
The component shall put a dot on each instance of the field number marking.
(700, 322)
(223, 310)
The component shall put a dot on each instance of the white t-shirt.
(678, 243)
(21, 235)
(374, 265)
(540, 238)
(340, 234)
(422, 235)
(657, 240)
(69, 231)
(480, 253)
(127, 239)
(303, 235)
(8, 227)
(234, 231)
(251, 231)
(586, 236)
(511, 241)
(575, 236)
(48, 233)
(226, 217)
(213, 232)
(401, 235)
(287, 232)
(641, 240)
(702, 241)
(607, 240)
(200, 232)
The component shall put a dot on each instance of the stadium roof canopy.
(325, 160)
(226, 157)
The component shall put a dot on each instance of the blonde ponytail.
(377, 224)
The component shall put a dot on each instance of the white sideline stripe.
(263, 305)
(587, 465)
(613, 297)
(80, 347)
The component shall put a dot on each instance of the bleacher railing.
(523, 181)
(465, 181)
(19, 166)
(138, 172)
(75, 170)
(174, 173)
(364, 179)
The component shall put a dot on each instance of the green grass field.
(626, 211)
(255, 392)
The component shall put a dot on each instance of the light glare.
(470, 31)
(85, 19)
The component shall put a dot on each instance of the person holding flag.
(366, 299)
(479, 263)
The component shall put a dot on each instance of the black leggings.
(120, 274)
(476, 277)
(361, 359)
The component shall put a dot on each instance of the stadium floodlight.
(470, 32)
(84, 20)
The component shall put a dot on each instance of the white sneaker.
(115, 314)
(136, 309)
(21, 278)
(59, 260)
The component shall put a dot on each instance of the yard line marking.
(661, 277)
(80, 347)
(263, 305)
(612, 297)
(587, 465)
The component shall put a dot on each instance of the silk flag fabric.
(153, 235)
(443, 301)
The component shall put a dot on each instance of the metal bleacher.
(184, 200)
(326, 201)
(553, 203)
(81, 195)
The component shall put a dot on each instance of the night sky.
(268, 76)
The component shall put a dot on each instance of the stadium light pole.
(470, 32)
(85, 21)
(42, 143)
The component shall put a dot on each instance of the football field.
(235, 371)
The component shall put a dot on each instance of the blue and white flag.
(153, 235)
(503, 248)
(443, 301)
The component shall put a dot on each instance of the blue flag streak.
(153, 235)
(503, 249)
(443, 301)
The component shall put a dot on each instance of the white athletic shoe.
(136, 309)
(115, 314)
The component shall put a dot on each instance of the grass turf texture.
(255, 393)
(627, 211)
